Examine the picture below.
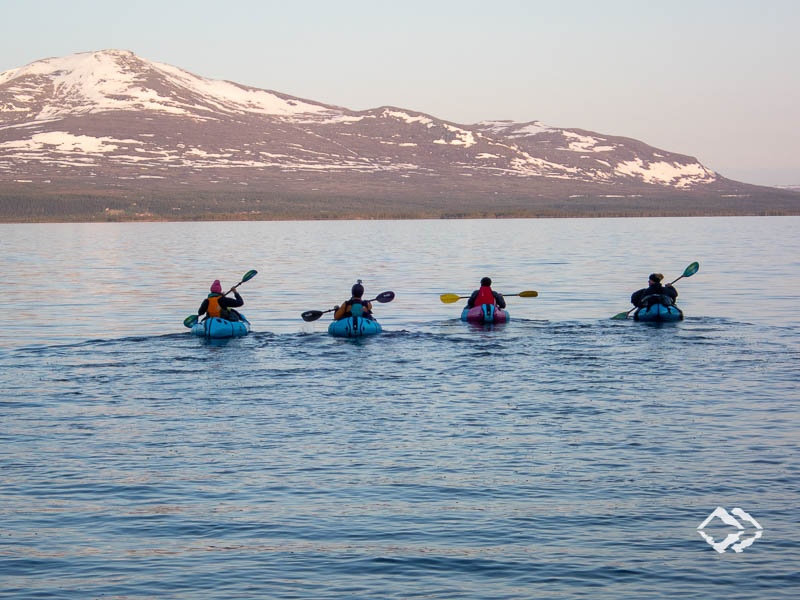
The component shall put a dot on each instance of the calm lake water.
(562, 455)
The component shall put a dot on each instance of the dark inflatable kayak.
(658, 312)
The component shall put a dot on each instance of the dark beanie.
(486, 281)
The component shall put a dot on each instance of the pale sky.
(714, 79)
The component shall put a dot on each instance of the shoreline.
(466, 217)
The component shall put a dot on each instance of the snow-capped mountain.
(111, 124)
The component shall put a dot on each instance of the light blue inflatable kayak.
(658, 313)
(215, 327)
(354, 327)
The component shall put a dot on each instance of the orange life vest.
(484, 296)
(214, 309)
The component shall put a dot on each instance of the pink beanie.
(216, 287)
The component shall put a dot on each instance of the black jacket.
(655, 289)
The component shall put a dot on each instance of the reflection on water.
(78, 281)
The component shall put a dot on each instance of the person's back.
(485, 295)
(355, 306)
(217, 305)
(655, 291)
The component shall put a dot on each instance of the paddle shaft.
(450, 298)
(234, 287)
(674, 280)
(247, 277)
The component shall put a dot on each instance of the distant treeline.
(39, 203)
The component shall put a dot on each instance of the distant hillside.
(110, 136)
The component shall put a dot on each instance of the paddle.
(687, 272)
(192, 319)
(450, 298)
(313, 315)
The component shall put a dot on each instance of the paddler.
(485, 295)
(217, 305)
(654, 288)
(355, 307)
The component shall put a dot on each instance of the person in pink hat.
(218, 305)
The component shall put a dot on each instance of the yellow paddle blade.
(529, 294)
(450, 298)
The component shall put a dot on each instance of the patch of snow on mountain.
(679, 175)
(231, 95)
(533, 129)
(463, 137)
(61, 141)
(407, 117)
(328, 119)
(495, 126)
(512, 129)
(9, 75)
(531, 166)
(584, 143)
(203, 154)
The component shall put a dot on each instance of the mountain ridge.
(109, 127)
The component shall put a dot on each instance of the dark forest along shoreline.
(39, 203)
